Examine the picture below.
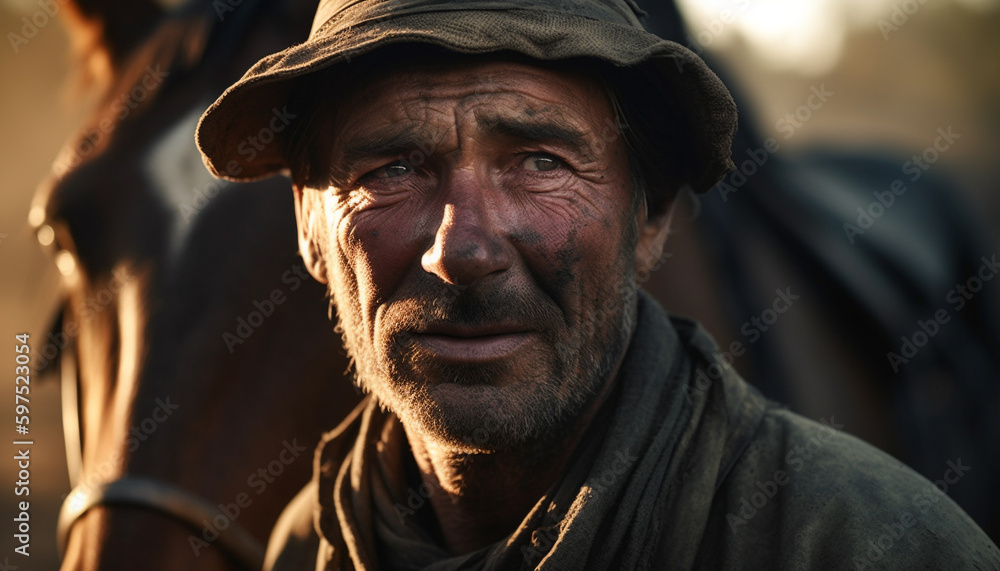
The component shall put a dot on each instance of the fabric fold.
(609, 509)
(685, 467)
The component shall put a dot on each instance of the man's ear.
(305, 217)
(653, 234)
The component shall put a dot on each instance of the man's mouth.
(470, 344)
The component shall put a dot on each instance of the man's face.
(478, 239)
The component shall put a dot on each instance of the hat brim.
(238, 134)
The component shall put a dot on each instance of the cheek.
(379, 249)
(572, 258)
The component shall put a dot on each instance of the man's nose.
(468, 244)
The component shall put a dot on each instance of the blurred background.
(897, 70)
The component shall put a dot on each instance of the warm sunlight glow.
(804, 36)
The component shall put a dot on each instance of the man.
(478, 183)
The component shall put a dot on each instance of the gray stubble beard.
(525, 416)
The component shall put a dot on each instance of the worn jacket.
(686, 467)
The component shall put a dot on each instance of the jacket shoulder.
(804, 494)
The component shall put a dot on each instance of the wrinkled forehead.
(413, 96)
(488, 73)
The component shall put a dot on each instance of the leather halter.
(138, 491)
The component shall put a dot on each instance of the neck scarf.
(636, 494)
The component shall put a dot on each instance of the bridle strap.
(167, 499)
(137, 491)
(69, 381)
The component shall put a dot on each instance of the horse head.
(193, 347)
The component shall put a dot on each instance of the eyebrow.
(398, 141)
(538, 129)
(388, 143)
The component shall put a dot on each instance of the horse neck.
(148, 305)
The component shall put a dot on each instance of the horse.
(198, 363)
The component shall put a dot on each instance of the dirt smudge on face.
(526, 236)
(567, 259)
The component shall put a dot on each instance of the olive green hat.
(238, 135)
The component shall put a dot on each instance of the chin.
(494, 414)
(522, 402)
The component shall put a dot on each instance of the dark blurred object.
(906, 356)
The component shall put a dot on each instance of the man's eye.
(541, 163)
(391, 170)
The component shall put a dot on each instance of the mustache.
(473, 306)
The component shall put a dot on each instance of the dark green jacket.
(691, 468)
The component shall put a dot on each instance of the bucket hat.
(683, 108)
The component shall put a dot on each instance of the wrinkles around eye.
(542, 162)
(394, 169)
